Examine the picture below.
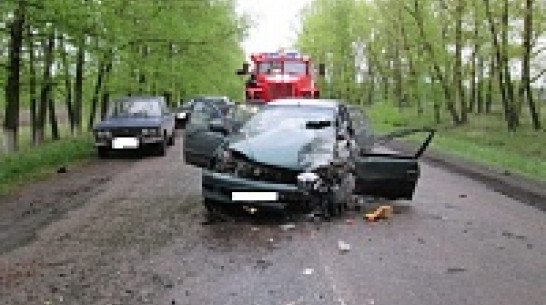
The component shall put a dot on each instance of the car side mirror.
(322, 69)
(217, 125)
(244, 70)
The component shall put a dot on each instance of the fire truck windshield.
(287, 67)
(295, 68)
(269, 67)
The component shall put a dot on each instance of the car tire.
(103, 152)
(334, 208)
(161, 149)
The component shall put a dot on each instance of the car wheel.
(162, 147)
(334, 208)
(102, 152)
(214, 211)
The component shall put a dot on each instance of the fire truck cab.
(280, 75)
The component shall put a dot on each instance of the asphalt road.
(139, 236)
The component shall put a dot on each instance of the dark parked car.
(135, 123)
(297, 154)
(217, 104)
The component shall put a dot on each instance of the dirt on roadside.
(32, 207)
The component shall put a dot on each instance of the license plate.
(181, 115)
(124, 143)
(254, 196)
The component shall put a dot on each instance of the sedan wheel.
(162, 147)
(102, 152)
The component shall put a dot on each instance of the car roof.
(323, 103)
(139, 98)
(209, 97)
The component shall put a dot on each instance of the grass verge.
(484, 140)
(35, 163)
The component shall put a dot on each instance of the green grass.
(35, 163)
(485, 140)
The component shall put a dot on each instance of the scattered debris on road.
(455, 270)
(343, 246)
(308, 271)
(288, 226)
(382, 212)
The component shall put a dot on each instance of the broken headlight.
(309, 181)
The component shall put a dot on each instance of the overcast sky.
(274, 23)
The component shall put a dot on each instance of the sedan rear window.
(135, 108)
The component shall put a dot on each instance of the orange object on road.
(382, 212)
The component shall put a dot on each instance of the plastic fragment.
(343, 246)
(288, 226)
(382, 212)
(308, 271)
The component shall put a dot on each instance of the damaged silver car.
(299, 154)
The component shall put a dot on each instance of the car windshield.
(135, 108)
(292, 117)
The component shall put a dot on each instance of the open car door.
(204, 132)
(208, 128)
(200, 143)
(390, 175)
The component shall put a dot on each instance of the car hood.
(301, 149)
(129, 122)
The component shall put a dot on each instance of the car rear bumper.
(218, 187)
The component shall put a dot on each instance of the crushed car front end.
(234, 179)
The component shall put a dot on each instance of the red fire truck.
(280, 75)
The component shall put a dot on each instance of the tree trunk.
(96, 93)
(45, 92)
(78, 86)
(458, 62)
(106, 90)
(509, 86)
(53, 116)
(474, 83)
(479, 89)
(489, 95)
(526, 73)
(438, 72)
(499, 68)
(67, 83)
(12, 89)
(32, 82)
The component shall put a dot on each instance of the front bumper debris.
(219, 188)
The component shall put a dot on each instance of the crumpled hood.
(129, 122)
(297, 149)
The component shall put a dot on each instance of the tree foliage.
(434, 56)
(80, 53)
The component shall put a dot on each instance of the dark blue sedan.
(134, 123)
